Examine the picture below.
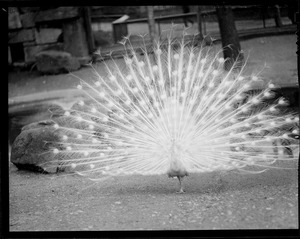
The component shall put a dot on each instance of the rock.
(37, 125)
(55, 62)
(84, 60)
(32, 149)
(56, 110)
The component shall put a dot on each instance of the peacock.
(175, 110)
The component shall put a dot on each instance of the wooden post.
(75, 41)
(263, 16)
(159, 31)
(204, 26)
(88, 28)
(229, 35)
(151, 24)
(199, 21)
(277, 16)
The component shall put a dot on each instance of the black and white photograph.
(153, 117)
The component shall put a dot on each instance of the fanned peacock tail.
(175, 111)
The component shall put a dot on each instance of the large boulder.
(55, 62)
(33, 148)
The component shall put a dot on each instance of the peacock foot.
(180, 191)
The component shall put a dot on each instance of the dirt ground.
(40, 202)
(212, 201)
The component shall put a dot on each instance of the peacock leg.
(180, 185)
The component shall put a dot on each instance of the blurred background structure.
(44, 41)
(82, 30)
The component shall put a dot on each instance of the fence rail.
(251, 12)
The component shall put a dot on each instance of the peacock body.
(174, 111)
